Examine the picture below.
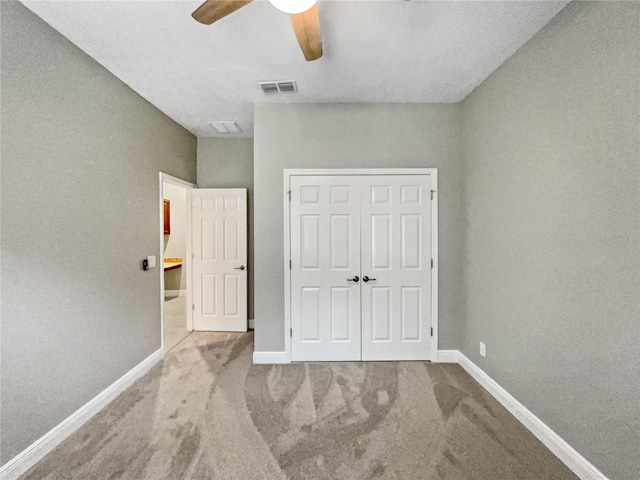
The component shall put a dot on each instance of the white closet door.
(219, 223)
(325, 254)
(396, 257)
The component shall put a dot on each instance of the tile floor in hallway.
(175, 321)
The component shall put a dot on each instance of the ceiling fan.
(304, 19)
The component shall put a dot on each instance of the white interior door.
(396, 267)
(325, 266)
(219, 237)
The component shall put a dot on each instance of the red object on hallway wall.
(167, 217)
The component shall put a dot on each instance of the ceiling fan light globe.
(293, 6)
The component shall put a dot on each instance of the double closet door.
(360, 267)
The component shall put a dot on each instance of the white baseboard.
(251, 323)
(33, 453)
(270, 357)
(175, 293)
(446, 356)
(442, 356)
(561, 449)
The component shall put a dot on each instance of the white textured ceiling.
(390, 51)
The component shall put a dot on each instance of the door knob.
(241, 267)
(354, 279)
(366, 279)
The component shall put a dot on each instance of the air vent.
(269, 88)
(272, 88)
(226, 127)
(287, 87)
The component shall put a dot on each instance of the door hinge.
(290, 265)
(291, 332)
(289, 193)
(432, 192)
(432, 331)
(193, 255)
(432, 263)
(193, 307)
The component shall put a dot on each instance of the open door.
(219, 236)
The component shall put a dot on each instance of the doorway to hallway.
(175, 234)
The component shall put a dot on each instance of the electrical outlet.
(483, 349)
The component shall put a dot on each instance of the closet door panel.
(396, 258)
(325, 255)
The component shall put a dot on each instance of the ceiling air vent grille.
(226, 127)
(273, 88)
(287, 87)
(269, 88)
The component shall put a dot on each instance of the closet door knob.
(354, 279)
(366, 279)
(241, 267)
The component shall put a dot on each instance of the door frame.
(288, 173)
(188, 186)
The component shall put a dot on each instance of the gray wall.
(551, 150)
(81, 154)
(228, 163)
(356, 136)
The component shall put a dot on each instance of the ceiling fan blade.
(306, 26)
(213, 10)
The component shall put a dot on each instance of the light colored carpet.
(206, 412)
(175, 321)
